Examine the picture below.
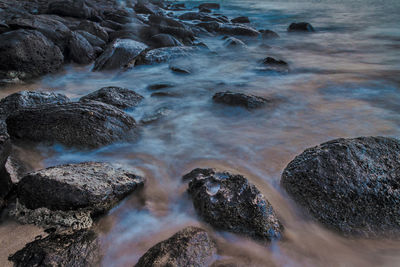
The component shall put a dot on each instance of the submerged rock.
(26, 99)
(349, 185)
(234, 42)
(164, 54)
(191, 246)
(79, 124)
(300, 27)
(231, 203)
(273, 64)
(209, 6)
(268, 34)
(241, 20)
(81, 248)
(240, 99)
(116, 96)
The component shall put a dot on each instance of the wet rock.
(210, 26)
(177, 7)
(240, 99)
(164, 54)
(164, 40)
(93, 28)
(4, 27)
(205, 10)
(240, 30)
(148, 8)
(159, 86)
(349, 185)
(300, 27)
(268, 34)
(157, 115)
(164, 94)
(231, 203)
(275, 64)
(180, 69)
(5, 149)
(209, 6)
(78, 124)
(173, 27)
(120, 16)
(116, 96)
(198, 16)
(241, 20)
(81, 248)
(112, 25)
(92, 39)
(27, 53)
(234, 42)
(71, 8)
(191, 246)
(26, 99)
(79, 49)
(118, 54)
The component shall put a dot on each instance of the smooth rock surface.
(240, 99)
(116, 96)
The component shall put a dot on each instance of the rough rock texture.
(268, 34)
(93, 28)
(300, 27)
(118, 54)
(80, 124)
(191, 246)
(5, 149)
(79, 49)
(241, 20)
(26, 99)
(273, 64)
(26, 54)
(81, 248)
(164, 40)
(209, 6)
(164, 54)
(71, 8)
(116, 96)
(90, 186)
(231, 203)
(349, 185)
(240, 99)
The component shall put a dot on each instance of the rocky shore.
(349, 186)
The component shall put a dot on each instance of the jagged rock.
(81, 248)
(27, 53)
(26, 99)
(241, 20)
(300, 27)
(79, 124)
(119, 54)
(240, 99)
(116, 96)
(349, 185)
(191, 246)
(79, 50)
(231, 203)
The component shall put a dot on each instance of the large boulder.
(27, 53)
(116, 96)
(241, 99)
(79, 49)
(229, 202)
(72, 8)
(349, 185)
(93, 28)
(191, 246)
(164, 40)
(81, 248)
(80, 124)
(119, 54)
(26, 99)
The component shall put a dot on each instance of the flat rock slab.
(191, 246)
(229, 202)
(116, 96)
(77, 124)
(81, 248)
(349, 185)
(241, 99)
(91, 186)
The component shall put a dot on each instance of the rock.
(241, 20)
(148, 8)
(198, 16)
(275, 64)
(71, 8)
(164, 40)
(164, 54)
(231, 203)
(234, 42)
(205, 10)
(164, 94)
(157, 115)
(177, 7)
(92, 39)
(111, 25)
(349, 185)
(209, 6)
(210, 26)
(120, 16)
(240, 99)
(118, 54)
(191, 246)
(179, 69)
(300, 27)
(25, 99)
(79, 50)
(241, 30)
(28, 53)
(116, 96)
(5, 149)
(268, 34)
(81, 248)
(4, 27)
(93, 28)
(78, 124)
(173, 27)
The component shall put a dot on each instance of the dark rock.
(240, 99)
(164, 40)
(138, 33)
(120, 16)
(191, 246)
(28, 53)
(4, 27)
(241, 20)
(81, 248)
(231, 203)
(241, 30)
(148, 8)
(300, 27)
(209, 6)
(5, 149)
(164, 54)
(205, 10)
(90, 185)
(81, 124)
(71, 8)
(234, 42)
(93, 28)
(155, 116)
(26, 99)
(111, 25)
(79, 50)
(179, 69)
(172, 27)
(119, 54)
(198, 16)
(349, 185)
(164, 94)
(268, 34)
(116, 96)
(275, 64)
(158, 86)
(177, 6)
(92, 39)
(211, 26)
